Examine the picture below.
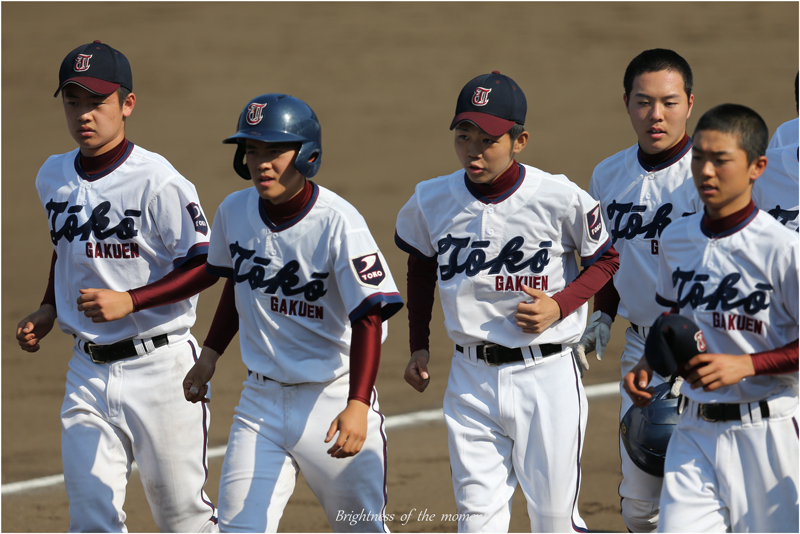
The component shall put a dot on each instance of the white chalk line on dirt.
(392, 422)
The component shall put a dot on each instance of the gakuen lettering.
(724, 297)
(97, 224)
(475, 261)
(285, 279)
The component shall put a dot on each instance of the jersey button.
(490, 231)
(490, 209)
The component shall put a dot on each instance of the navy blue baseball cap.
(673, 341)
(492, 102)
(97, 68)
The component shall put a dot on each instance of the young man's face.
(721, 173)
(96, 122)
(658, 108)
(272, 170)
(483, 156)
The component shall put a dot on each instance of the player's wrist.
(358, 403)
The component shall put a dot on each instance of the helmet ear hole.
(239, 164)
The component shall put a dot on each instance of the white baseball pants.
(279, 430)
(733, 476)
(134, 409)
(522, 422)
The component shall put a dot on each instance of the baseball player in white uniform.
(120, 218)
(777, 191)
(641, 190)
(311, 292)
(732, 462)
(502, 237)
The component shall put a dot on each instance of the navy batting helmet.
(646, 431)
(279, 118)
(673, 341)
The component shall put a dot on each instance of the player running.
(122, 217)
(641, 190)
(502, 238)
(309, 290)
(732, 461)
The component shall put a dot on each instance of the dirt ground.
(383, 79)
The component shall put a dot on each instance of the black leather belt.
(717, 413)
(119, 350)
(494, 354)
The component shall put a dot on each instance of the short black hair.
(655, 60)
(742, 122)
(122, 94)
(516, 131)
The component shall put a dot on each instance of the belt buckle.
(91, 353)
(703, 414)
(487, 349)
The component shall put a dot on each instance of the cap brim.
(93, 85)
(488, 123)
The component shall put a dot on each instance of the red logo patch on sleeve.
(369, 269)
(199, 220)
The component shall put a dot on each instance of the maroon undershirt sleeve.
(607, 299)
(421, 283)
(226, 320)
(50, 292)
(365, 354)
(185, 281)
(588, 283)
(777, 361)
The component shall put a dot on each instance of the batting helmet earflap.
(279, 118)
(645, 432)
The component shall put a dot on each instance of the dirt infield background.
(383, 78)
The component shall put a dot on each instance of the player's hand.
(352, 427)
(103, 305)
(195, 385)
(534, 317)
(595, 337)
(636, 381)
(416, 372)
(35, 326)
(712, 371)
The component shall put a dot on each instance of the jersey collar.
(108, 170)
(666, 158)
(717, 228)
(294, 220)
(503, 186)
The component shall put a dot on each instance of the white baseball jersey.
(121, 230)
(740, 288)
(776, 191)
(487, 250)
(785, 134)
(638, 203)
(299, 285)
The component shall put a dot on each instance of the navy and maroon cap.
(673, 340)
(493, 102)
(97, 68)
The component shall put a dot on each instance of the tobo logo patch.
(369, 269)
(594, 224)
(199, 220)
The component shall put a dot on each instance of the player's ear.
(757, 168)
(520, 142)
(128, 104)
(625, 100)
(691, 104)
